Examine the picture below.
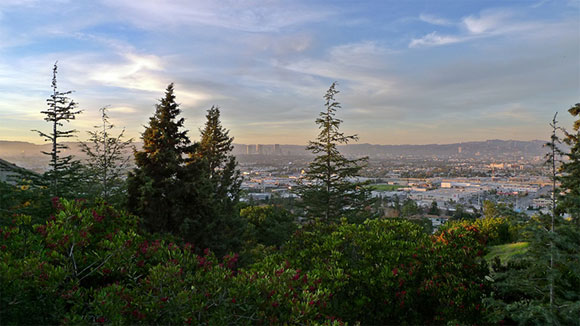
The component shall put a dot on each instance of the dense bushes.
(390, 272)
(496, 230)
(521, 287)
(88, 264)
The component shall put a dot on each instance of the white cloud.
(251, 16)
(488, 21)
(434, 39)
(434, 20)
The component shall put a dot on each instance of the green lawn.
(506, 251)
(385, 187)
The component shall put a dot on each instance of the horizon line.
(272, 144)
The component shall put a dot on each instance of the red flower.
(97, 217)
(395, 271)
(164, 299)
(100, 320)
(275, 304)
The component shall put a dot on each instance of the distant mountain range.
(500, 149)
(29, 155)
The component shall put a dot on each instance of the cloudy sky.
(409, 72)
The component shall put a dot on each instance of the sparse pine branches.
(61, 109)
(330, 189)
(107, 158)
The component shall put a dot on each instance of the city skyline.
(408, 73)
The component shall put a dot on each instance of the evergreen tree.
(215, 150)
(107, 159)
(410, 208)
(156, 187)
(434, 209)
(329, 190)
(63, 173)
(213, 220)
(570, 178)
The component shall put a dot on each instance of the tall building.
(260, 149)
(250, 149)
(277, 149)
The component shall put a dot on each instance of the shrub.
(390, 272)
(88, 265)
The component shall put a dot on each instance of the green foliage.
(26, 197)
(328, 190)
(213, 181)
(496, 230)
(425, 224)
(269, 225)
(87, 265)
(434, 209)
(521, 291)
(156, 187)
(390, 272)
(107, 161)
(490, 209)
(409, 208)
(384, 187)
(570, 178)
(506, 252)
(64, 171)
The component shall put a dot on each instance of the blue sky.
(409, 72)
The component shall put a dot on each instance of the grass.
(506, 252)
(385, 187)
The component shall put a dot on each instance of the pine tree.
(156, 187)
(215, 149)
(570, 178)
(213, 220)
(63, 170)
(107, 159)
(329, 189)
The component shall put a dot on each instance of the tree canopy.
(330, 188)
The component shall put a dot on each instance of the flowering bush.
(88, 265)
(496, 230)
(390, 272)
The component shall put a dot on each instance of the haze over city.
(409, 72)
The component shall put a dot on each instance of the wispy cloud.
(434, 39)
(250, 16)
(268, 63)
(434, 20)
(488, 23)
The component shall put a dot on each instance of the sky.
(408, 72)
